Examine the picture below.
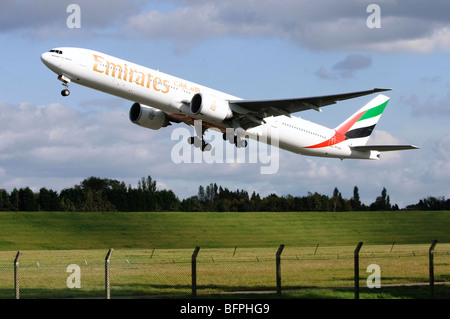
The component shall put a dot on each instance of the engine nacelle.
(148, 117)
(209, 108)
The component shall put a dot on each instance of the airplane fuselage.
(172, 95)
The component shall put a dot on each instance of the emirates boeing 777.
(160, 99)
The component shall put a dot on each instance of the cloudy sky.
(251, 49)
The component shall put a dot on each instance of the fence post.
(107, 274)
(16, 275)
(194, 272)
(278, 266)
(317, 247)
(431, 266)
(358, 248)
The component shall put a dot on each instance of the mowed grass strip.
(64, 230)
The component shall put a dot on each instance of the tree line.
(216, 198)
(96, 194)
(93, 195)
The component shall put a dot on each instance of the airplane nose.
(44, 58)
(50, 61)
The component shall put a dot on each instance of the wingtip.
(381, 90)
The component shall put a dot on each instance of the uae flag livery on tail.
(360, 125)
(356, 130)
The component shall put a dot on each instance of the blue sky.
(251, 49)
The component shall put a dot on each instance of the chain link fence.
(155, 273)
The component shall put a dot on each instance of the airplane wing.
(383, 148)
(252, 112)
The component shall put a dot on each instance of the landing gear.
(65, 92)
(200, 143)
(234, 139)
(198, 140)
(65, 82)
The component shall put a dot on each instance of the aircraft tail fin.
(358, 127)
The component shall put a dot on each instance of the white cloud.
(47, 18)
(346, 68)
(53, 141)
(432, 106)
(321, 25)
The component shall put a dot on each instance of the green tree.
(201, 194)
(27, 200)
(191, 204)
(336, 199)
(270, 203)
(167, 200)
(48, 200)
(72, 198)
(136, 200)
(4, 200)
(117, 195)
(255, 202)
(147, 184)
(14, 200)
(355, 201)
(382, 202)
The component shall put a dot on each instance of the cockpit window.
(56, 51)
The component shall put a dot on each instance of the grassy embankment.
(61, 230)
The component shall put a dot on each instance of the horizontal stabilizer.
(383, 148)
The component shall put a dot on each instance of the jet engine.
(209, 108)
(148, 117)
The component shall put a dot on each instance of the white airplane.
(161, 99)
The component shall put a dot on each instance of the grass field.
(63, 230)
(152, 252)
